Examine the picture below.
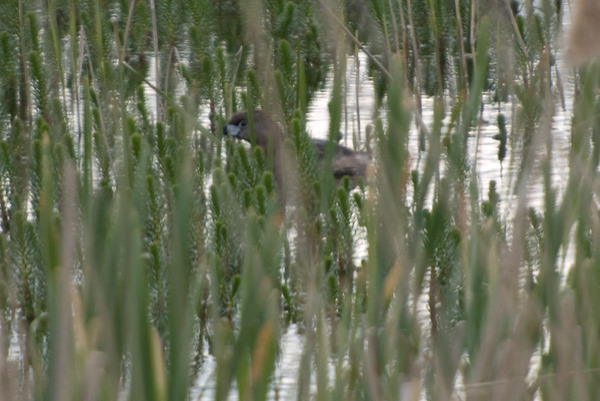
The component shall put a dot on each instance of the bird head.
(265, 129)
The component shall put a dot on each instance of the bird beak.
(231, 130)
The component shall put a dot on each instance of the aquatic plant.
(140, 249)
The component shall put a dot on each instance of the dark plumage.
(345, 162)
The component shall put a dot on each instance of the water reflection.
(482, 146)
(483, 155)
(284, 385)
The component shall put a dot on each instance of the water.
(483, 154)
(482, 145)
(284, 386)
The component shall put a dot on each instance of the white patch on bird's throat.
(233, 130)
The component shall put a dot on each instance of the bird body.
(345, 161)
(269, 136)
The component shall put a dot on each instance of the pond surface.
(483, 152)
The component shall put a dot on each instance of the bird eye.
(243, 124)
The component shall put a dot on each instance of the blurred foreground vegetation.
(136, 243)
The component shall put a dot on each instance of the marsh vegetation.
(136, 243)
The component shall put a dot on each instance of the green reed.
(136, 242)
